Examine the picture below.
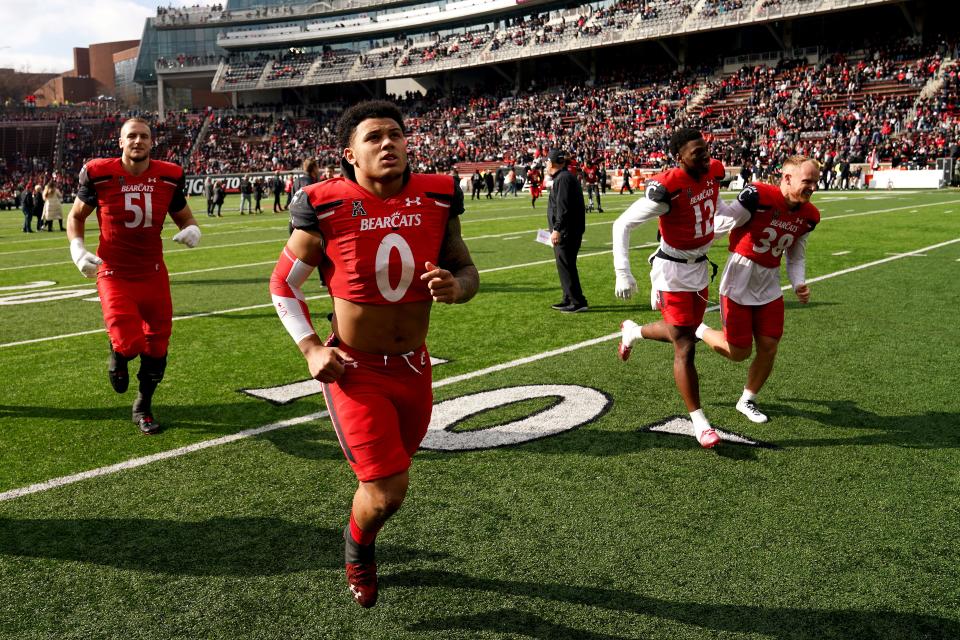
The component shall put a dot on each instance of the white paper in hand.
(543, 237)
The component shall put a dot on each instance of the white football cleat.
(627, 327)
(749, 409)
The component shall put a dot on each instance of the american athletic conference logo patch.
(358, 209)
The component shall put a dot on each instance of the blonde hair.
(798, 161)
(49, 190)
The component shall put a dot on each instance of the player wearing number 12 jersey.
(388, 245)
(132, 195)
(684, 200)
(768, 222)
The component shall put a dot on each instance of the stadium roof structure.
(470, 14)
(245, 48)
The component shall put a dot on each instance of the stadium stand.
(894, 104)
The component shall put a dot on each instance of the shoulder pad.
(657, 191)
(749, 197)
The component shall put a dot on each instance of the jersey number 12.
(703, 227)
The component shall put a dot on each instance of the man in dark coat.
(26, 205)
(566, 219)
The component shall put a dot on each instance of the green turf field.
(845, 527)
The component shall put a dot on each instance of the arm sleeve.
(86, 191)
(797, 261)
(731, 215)
(636, 214)
(179, 201)
(286, 290)
(302, 215)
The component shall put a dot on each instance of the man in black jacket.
(566, 218)
(26, 205)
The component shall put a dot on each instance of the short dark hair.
(361, 111)
(681, 137)
(138, 120)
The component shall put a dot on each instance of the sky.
(39, 35)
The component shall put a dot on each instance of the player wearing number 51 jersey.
(132, 195)
(388, 244)
(768, 222)
(684, 200)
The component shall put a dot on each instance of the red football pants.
(138, 313)
(380, 409)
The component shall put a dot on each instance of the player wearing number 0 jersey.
(768, 222)
(684, 200)
(132, 195)
(378, 235)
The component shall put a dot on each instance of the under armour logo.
(358, 209)
(415, 201)
(151, 180)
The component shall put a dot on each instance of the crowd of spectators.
(861, 107)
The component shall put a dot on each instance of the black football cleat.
(147, 425)
(117, 372)
(143, 416)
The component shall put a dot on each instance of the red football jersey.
(590, 174)
(376, 249)
(773, 227)
(131, 210)
(689, 222)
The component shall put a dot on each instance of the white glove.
(85, 261)
(189, 236)
(626, 285)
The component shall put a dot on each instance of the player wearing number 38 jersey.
(388, 245)
(132, 195)
(768, 222)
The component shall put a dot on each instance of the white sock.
(633, 334)
(699, 332)
(700, 422)
(748, 395)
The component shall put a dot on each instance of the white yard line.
(65, 261)
(174, 453)
(840, 253)
(207, 314)
(912, 208)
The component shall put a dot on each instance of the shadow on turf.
(254, 546)
(931, 430)
(774, 622)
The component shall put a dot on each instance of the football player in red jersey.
(684, 200)
(591, 176)
(768, 222)
(388, 244)
(535, 178)
(132, 195)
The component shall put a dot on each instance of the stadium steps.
(198, 140)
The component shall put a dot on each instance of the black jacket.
(566, 212)
(26, 202)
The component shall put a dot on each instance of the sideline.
(247, 433)
(174, 251)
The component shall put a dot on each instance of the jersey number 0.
(390, 242)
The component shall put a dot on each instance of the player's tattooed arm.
(456, 280)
